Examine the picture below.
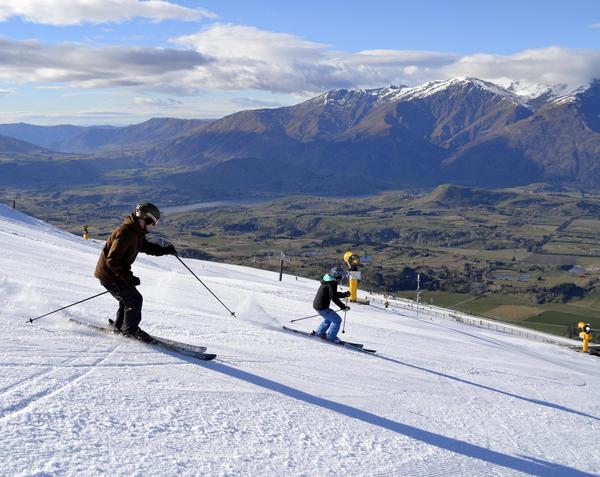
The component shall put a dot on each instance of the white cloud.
(75, 12)
(85, 117)
(249, 58)
(552, 65)
(250, 43)
(6, 91)
(240, 58)
(93, 67)
(245, 58)
(153, 102)
(255, 103)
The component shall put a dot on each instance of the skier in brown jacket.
(114, 267)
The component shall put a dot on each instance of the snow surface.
(439, 397)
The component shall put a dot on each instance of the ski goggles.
(150, 219)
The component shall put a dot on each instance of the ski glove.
(134, 281)
(346, 294)
(346, 308)
(170, 250)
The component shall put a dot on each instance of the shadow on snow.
(489, 388)
(529, 465)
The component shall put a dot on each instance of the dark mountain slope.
(94, 139)
(48, 137)
(559, 143)
(10, 145)
(134, 137)
(463, 131)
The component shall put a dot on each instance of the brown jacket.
(121, 249)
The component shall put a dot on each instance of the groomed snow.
(439, 397)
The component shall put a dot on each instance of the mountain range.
(463, 130)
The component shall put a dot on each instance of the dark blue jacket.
(327, 293)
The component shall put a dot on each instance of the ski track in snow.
(31, 391)
(439, 398)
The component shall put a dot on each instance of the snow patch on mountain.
(523, 93)
(342, 97)
(392, 94)
(436, 87)
(528, 90)
(566, 99)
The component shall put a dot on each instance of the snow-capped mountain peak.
(523, 93)
(340, 97)
(539, 93)
(460, 83)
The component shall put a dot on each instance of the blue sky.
(459, 26)
(125, 61)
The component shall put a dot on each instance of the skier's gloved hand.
(346, 294)
(134, 281)
(170, 250)
(346, 308)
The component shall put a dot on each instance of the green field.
(551, 318)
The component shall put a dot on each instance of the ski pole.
(190, 270)
(307, 317)
(31, 320)
(345, 310)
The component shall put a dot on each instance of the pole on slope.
(203, 284)
(31, 320)
(281, 268)
(418, 291)
(345, 311)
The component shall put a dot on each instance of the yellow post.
(86, 234)
(353, 261)
(353, 283)
(585, 334)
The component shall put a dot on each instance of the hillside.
(560, 142)
(460, 131)
(463, 130)
(48, 137)
(11, 146)
(451, 196)
(133, 137)
(95, 139)
(439, 398)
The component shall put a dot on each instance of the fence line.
(474, 320)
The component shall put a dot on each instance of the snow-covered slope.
(436, 87)
(392, 94)
(439, 398)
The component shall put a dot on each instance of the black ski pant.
(130, 301)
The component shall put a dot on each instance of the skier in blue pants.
(329, 327)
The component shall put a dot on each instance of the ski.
(169, 345)
(358, 345)
(346, 344)
(196, 349)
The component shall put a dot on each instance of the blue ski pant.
(330, 324)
